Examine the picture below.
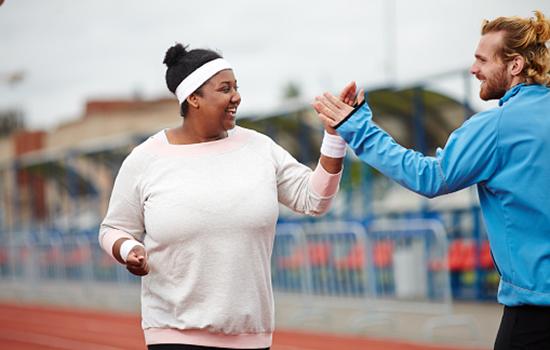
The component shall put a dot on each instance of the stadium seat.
(485, 257)
(319, 253)
(354, 260)
(462, 255)
(383, 253)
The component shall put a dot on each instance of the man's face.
(489, 68)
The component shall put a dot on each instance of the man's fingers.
(361, 96)
(344, 92)
(321, 107)
(350, 98)
(316, 106)
(348, 92)
(330, 107)
(334, 100)
(331, 110)
(341, 110)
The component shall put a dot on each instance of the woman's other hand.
(136, 262)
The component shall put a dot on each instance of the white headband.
(194, 80)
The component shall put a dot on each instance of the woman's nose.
(236, 98)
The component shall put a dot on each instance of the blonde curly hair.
(527, 37)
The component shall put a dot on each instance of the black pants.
(187, 347)
(524, 327)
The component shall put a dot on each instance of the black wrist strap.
(356, 107)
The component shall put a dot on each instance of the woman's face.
(218, 103)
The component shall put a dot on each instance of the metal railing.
(58, 258)
(389, 267)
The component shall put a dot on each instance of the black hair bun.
(174, 54)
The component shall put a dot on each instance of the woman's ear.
(193, 101)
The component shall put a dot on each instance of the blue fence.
(337, 261)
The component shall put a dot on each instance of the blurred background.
(82, 83)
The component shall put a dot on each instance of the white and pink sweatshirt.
(206, 214)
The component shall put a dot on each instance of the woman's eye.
(227, 89)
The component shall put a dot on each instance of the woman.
(194, 210)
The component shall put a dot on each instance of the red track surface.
(37, 327)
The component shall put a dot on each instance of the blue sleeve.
(469, 157)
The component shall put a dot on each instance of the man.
(505, 151)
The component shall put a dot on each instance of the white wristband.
(127, 246)
(333, 146)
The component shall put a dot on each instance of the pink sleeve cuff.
(324, 183)
(109, 238)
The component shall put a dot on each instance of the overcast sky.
(71, 51)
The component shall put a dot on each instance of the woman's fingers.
(138, 271)
(141, 268)
(329, 123)
(136, 262)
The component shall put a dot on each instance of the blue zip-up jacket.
(506, 152)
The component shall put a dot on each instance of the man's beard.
(495, 87)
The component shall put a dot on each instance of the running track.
(38, 327)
